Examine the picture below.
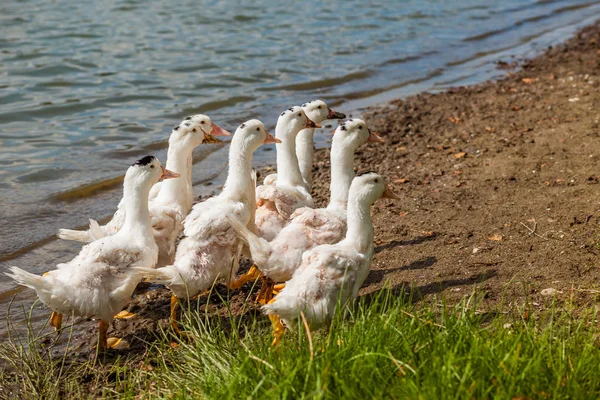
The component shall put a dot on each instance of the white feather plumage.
(332, 274)
(169, 201)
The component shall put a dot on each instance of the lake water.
(87, 88)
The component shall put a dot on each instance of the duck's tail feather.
(36, 282)
(71, 234)
(260, 249)
(155, 275)
(95, 231)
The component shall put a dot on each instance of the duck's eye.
(258, 129)
(376, 180)
(202, 122)
(194, 130)
(360, 127)
(319, 107)
(299, 114)
(152, 166)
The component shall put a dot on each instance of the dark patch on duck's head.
(242, 126)
(187, 124)
(145, 160)
(177, 127)
(282, 114)
(304, 105)
(188, 118)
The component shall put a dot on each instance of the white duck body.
(170, 201)
(275, 204)
(309, 227)
(100, 280)
(210, 250)
(333, 272)
(318, 112)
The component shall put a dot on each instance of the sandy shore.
(499, 190)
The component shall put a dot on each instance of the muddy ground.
(499, 188)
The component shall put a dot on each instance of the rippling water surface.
(85, 89)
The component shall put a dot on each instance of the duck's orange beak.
(218, 131)
(311, 124)
(166, 174)
(373, 137)
(271, 139)
(389, 194)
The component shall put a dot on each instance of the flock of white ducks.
(311, 260)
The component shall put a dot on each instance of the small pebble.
(549, 292)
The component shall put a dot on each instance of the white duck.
(100, 280)
(278, 259)
(210, 249)
(332, 274)
(276, 203)
(318, 112)
(170, 201)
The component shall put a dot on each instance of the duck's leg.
(102, 339)
(56, 320)
(173, 314)
(252, 275)
(278, 329)
(205, 293)
(266, 291)
(104, 342)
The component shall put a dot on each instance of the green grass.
(384, 347)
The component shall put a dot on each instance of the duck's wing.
(115, 255)
(285, 199)
(322, 225)
(316, 285)
(164, 220)
(208, 221)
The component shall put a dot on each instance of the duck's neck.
(342, 173)
(360, 227)
(304, 153)
(288, 172)
(239, 177)
(179, 190)
(137, 216)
